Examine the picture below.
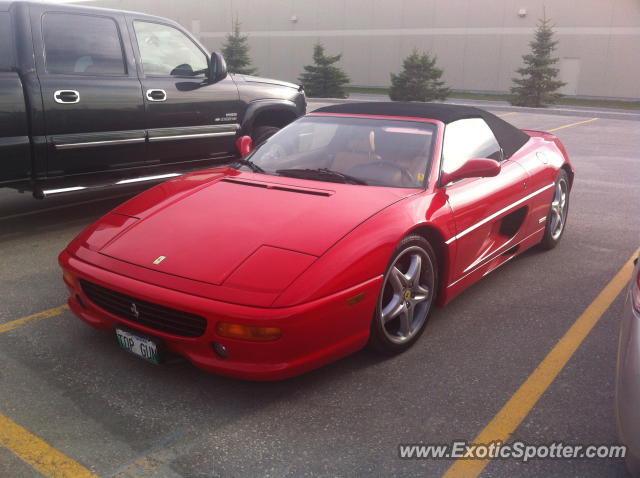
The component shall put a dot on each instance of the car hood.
(268, 81)
(247, 220)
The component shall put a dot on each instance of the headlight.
(269, 269)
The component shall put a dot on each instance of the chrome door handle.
(156, 95)
(66, 96)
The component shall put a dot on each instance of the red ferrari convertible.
(343, 229)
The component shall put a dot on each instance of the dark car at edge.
(91, 96)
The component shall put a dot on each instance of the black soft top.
(510, 138)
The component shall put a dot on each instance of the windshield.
(379, 152)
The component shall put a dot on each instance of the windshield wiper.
(253, 166)
(322, 174)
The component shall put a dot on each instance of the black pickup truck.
(92, 96)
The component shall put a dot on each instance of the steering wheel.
(382, 163)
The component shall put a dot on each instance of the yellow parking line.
(39, 454)
(523, 400)
(45, 314)
(508, 114)
(572, 124)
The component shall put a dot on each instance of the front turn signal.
(68, 279)
(248, 332)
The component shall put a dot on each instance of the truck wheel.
(260, 134)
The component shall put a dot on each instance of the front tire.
(406, 297)
(557, 215)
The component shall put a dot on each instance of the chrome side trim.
(191, 136)
(94, 144)
(495, 255)
(51, 192)
(14, 141)
(148, 178)
(154, 135)
(496, 214)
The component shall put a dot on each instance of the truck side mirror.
(217, 68)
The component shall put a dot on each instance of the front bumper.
(313, 333)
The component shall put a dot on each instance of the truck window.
(82, 45)
(6, 42)
(166, 51)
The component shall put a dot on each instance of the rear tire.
(262, 133)
(558, 211)
(406, 297)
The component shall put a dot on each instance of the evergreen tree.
(323, 79)
(538, 85)
(419, 80)
(236, 52)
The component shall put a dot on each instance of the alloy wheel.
(407, 295)
(558, 209)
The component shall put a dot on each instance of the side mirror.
(244, 145)
(217, 68)
(473, 168)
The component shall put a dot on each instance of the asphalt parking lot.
(73, 404)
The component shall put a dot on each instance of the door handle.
(66, 96)
(156, 95)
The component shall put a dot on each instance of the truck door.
(93, 108)
(188, 117)
(15, 153)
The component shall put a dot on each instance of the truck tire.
(260, 134)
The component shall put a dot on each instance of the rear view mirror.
(473, 168)
(244, 145)
(217, 68)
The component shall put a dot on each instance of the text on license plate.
(140, 346)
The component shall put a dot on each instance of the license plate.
(143, 347)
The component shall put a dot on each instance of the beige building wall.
(479, 43)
